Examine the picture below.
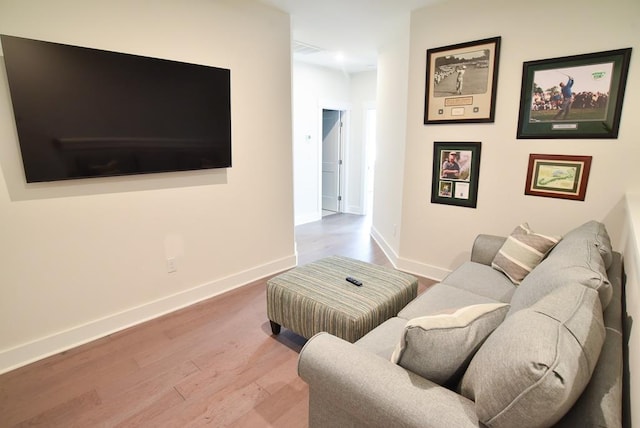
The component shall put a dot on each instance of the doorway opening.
(332, 155)
(370, 159)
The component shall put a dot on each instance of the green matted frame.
(456, 185)
(597, 81)
(558, 176)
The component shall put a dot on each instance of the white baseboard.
(384, 246)
(407, 265)
(354, 209)
(307, 218)
(422, 269)
(27, 353)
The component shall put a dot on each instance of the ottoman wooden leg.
(275, 327)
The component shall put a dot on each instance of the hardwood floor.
(212, 364)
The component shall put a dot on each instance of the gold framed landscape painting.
(461, 82)
(558, 176)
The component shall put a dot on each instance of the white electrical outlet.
(171, 265)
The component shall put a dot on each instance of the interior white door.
(331, 159)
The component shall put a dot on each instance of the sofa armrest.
(485, 248)
(349, 386)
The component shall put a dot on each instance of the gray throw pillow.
(439, 347)
(535, 365)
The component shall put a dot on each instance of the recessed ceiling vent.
(304, 49)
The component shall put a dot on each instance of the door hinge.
(339, 198)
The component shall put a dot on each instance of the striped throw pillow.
(522, 251)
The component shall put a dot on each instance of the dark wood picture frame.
(461, 82)
(558, 176)
(597, 82)
(456, 184)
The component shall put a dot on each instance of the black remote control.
(354, 281)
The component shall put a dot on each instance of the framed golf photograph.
(456, 168)
(558, 176)
(576, 96)
(461, 82)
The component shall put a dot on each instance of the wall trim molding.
(384, 246)
(422, 269)
(407, 265)
(13, 358)
(308, 218)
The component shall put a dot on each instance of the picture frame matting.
(577, 96)
(455, 174)
(461, 82)
(558, 176)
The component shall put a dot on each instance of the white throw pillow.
(440, 347)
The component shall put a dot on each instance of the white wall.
(439, 236)
(631, 250)
(82, 258)
(392, 93)
(363, 96)
(315, 88)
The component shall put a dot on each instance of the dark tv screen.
(83, 112)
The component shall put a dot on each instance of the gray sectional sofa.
(488, 346)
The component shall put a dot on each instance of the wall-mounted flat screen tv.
(84, 112)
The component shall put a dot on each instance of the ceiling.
(344, 34)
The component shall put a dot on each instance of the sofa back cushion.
(600, 238)
(535, 365)
(439, 347)
(578, 257)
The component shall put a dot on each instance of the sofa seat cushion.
(577, 258)
(383, 339)
(522, 251)
(535, 365)
(439, 347)
(483, 280)
(441, 297)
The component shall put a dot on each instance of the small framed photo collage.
(456, 169)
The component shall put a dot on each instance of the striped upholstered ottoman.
(316, 297)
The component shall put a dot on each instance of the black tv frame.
(83, 112)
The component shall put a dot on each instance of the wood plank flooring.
(214, 364)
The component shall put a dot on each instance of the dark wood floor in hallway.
(211, 364)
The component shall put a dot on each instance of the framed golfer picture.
(456, 168)
(573, 97)
(461, 82)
